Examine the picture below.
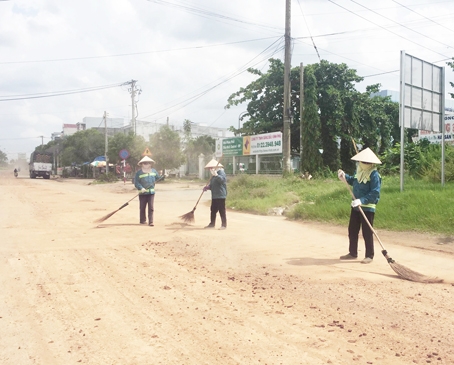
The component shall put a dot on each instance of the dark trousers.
(218, 205)
(144, 200)
(356, 222)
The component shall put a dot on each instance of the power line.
(338, 55)
(55, 93)
(210, 14)
(423, 16)
(307, 27)
(400, 24)
(137, 53)
(223, 80)
(13, 139)
(378, 25)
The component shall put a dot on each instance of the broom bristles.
(102, 219)
(188, 217)
(408, 274)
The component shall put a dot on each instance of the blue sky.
(188, 57)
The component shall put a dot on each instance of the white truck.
(40, 165)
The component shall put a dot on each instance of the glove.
(213, 172)
(340, 174)
(356, 203)
(206, 187)
(143, 190)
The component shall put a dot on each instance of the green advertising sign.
(232, 146)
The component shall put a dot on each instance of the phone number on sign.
(268, 144)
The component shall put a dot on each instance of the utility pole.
(286, 166)
(105, 144)
(301, 115)
(134, 91)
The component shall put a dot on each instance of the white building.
(70, 129)
(98, 122)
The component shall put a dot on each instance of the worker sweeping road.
(366, 189)
(218, 187)
(144, 181)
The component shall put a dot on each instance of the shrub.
(103, 178)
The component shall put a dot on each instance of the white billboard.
(267, 143)
(421, 94)
(433, 137)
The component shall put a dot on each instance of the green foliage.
(103, 178)
(430, 170)
(165, 147)
(310, 125)
(451, 64)
(421, 159)
(258, 194)
(265, 97)
(333, 111)
(135, 145)
(82, 147)
(187, 128)
(3, 158)
(422, 206)
(335, 92)
(194, 147)
(201, 145)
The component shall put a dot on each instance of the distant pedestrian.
(366, 189)
(144, 181)
(218, 187)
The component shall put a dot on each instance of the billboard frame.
(414, 82)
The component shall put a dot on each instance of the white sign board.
(437, 137)
(422, 93)
(262, 144)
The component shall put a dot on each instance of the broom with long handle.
(107, 216)
(189, 217)
(401, 270)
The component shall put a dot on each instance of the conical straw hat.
(366, 156)
(213, 163)
(145, 159)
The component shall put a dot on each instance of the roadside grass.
(421, 206)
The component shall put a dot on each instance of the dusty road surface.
(264, 291)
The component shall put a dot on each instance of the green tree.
(335, 92)
(338, 112)
(187, 128)
(201, 145)
(165, 146)
(135, 145)
(82, 147)
(372, 121)
(3, 158)
(265, 98)
(335, 97)
(451, 64)
(311, 142)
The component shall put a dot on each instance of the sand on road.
(265, 291)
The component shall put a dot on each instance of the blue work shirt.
(146, 180)
(369, 192)
(218, 185)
